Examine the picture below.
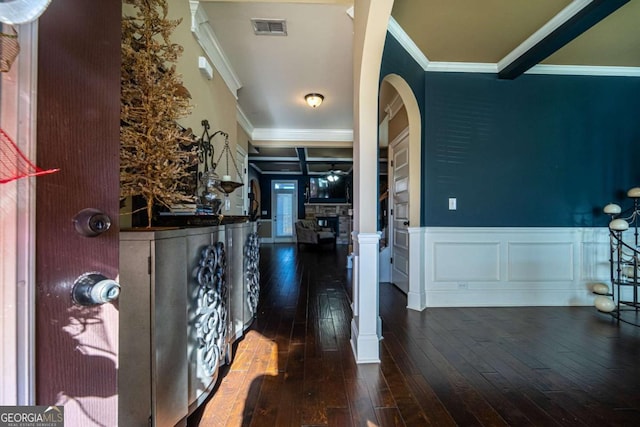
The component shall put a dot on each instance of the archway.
(416, 296)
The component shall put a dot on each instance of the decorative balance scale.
(212, 187)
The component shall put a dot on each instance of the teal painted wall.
(537, 151)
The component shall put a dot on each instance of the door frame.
(274, 205)
(17, 332)
(404, 134)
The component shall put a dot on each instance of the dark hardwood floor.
(520, 366)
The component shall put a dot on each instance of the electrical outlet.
(453, 203)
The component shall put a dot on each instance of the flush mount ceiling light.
(314, 99)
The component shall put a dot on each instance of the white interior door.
(284, 207)
(399, 221)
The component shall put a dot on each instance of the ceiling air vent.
(269, 27)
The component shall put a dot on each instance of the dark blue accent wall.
(541, 150)
(537, 151)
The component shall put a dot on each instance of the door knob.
(406, 223)
(94, 289)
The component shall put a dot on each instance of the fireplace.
(331, 222)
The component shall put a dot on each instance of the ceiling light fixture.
(314, 99)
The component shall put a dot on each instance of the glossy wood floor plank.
(511, 366)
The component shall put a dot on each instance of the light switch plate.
(453, 203)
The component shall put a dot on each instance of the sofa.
(308, 232)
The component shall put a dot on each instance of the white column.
(370, 29)
(417, 296)
(365, 326)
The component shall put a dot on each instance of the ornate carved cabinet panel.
(242, 244)
(207, 309)
(186, 295)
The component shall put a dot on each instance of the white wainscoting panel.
(482, 266)
(540, 262)
(470, 261)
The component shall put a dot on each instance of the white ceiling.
(275, 72)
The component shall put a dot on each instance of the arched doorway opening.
(399, 108)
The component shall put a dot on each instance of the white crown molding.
(204, 34)
(280, 173)
(351, 12)
(473, 67)
(333, 135)
(333, 159)
(462, 67)
(575, 70)
(405, 41)
(585, 70)
(302, 144)
(553, 24)
(243, 120)
(394, 106)
(276, 159)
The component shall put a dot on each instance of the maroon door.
(78, 114)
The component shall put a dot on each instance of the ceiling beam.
(302, 155)
(588, 16)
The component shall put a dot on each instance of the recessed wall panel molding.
(540, 262)
(466, 261)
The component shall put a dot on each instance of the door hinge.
(149, 265)
(391, 260)
(391, 161)
(391, 212)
